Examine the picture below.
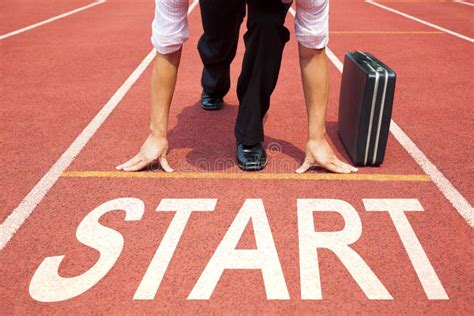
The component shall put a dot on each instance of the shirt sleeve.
(312, 23)
(170, 29)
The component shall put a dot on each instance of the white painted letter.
(48, 286)
(159, 264)
(396, 208)
(338, 242)
(265, 257)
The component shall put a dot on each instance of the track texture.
(59, 75)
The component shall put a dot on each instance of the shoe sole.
(212, 109)
(252, 167)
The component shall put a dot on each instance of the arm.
(169, 33)
(163, 82)
(314, 74)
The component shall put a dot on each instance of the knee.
(216, 50)
(269, 27)
(266, 22)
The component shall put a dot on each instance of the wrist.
(317, 135)
(158, 132)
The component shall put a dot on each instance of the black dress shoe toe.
(211, 103)
(251, 158)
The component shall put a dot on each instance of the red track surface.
(52, 79)
(22, 13)
(61, 74)
(450, 15)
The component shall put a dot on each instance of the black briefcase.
(365, 107)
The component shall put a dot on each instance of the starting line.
(250, 176)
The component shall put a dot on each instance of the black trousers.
(265, 39)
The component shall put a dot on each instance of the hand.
(154, 148)
(319, 153)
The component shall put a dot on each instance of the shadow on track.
(210, 136)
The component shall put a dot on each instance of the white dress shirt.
(312, 23)
(170, 28)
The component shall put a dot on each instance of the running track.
(58, 76)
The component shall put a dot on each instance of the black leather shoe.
(210, 103)
(251, 158)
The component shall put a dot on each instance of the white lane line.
(464, 37)
(463, 2)
(457, 200)
(32, 26)
(19, 215)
